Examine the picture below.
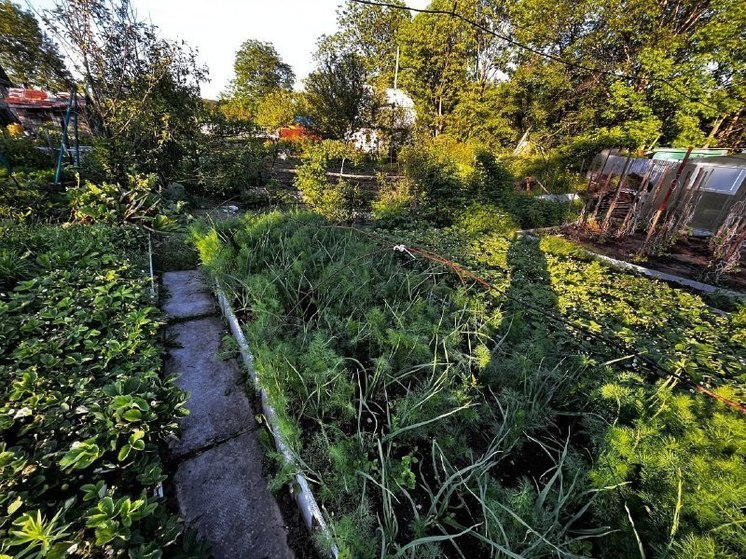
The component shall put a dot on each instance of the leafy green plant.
(84, 408)
(21, 153)
(333, 199)
(229, 165)
(26, 195)
(480, 218)
(108, 203)
(394, 203)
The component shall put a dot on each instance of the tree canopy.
(259, 71)
(373, 33)
(28, 55)
(143, 95)
(337, 94)
(635, 72)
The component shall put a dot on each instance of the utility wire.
(462, 272)
(454, 13)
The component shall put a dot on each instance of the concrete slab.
(188, 295)
(219, 483)
(218, 407)
(223, 496)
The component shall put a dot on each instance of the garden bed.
(688, 258)
(85, 410)
(435, 417)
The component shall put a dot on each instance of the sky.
(218, 27)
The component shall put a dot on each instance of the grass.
(436, 419)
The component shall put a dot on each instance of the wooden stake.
(633, 206)
(671, 188)
(587, 196)
(612, 205)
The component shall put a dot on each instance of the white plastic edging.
(671, 278)
(158, 491)
(152, 275)
(312, 515)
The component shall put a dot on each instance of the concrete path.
(219, 483)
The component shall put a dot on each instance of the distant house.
(34, 107)
(398, 114)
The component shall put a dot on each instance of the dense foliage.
(142, 91)
(84, 408)
(228, 165)
(27, 54)
(337, 95)
(440, 419)
(259, 72)
(635, 73)
(333, 198)
(451, 182)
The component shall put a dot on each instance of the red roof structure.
(297, 132)
(22, 98)
(34, 107)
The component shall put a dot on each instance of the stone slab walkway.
(219, 484)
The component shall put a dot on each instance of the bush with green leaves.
(448, 189)
(480, 218)
(21, 153)
(26, 195)
(394, 204)
(228, 165)
(138, 203)
(84, 408)
(332, 198)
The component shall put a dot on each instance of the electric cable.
(513, 42)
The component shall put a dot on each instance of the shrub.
(84, 407)
(111, 204)
(25, 195)
(491, 180)
(228, 166)
(333, 199)
(22, 154)
(445, 195)
(435, 183)
(394, 204)
(481, 218)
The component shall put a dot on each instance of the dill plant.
(391, 384)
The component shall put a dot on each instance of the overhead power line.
(513, 42)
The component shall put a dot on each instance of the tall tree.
(644, 69)
(27, 54)
(338, 97)
(373, 32)
(277, 109)
(436, 54)
(259, 71)
(142, 90)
